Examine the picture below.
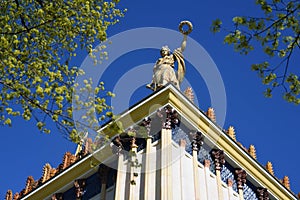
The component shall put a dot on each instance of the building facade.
(169, 149)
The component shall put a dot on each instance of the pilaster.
(219, 160)
(196, 145)
(147, 194)
(166, 167)
(133, 173)
(121, 175)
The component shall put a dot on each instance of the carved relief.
(218, 157)
(197, 141)
(79, 188)
(172, 117)
(262, 193)
(57, 196)
(240, 176)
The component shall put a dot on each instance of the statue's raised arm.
(185, 33)
(163, 71)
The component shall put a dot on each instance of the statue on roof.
(163, 71)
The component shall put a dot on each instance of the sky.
(268, 123)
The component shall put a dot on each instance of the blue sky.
(270, 124)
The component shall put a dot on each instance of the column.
(147, 194)
(166, 161)
(182, 144)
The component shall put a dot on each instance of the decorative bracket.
(262, 193)
(79, 185)
(57, 196)
(197, 141)
(219, 158)
(169, 116)
(241, 176)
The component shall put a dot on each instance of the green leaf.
(239, 20)
(37, 44)
(216, 26)
(268, 93)
(8, 122)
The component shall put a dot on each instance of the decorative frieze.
(240, 176)
(79, 185)
(197, 141)
(172, 118)
(57, 196)
(262, 193)
(218, 158)
(168, 117)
